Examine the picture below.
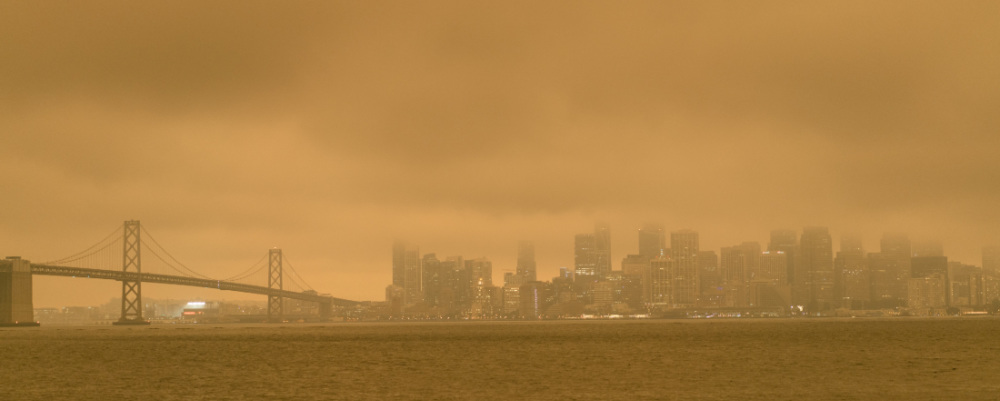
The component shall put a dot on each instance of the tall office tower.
(657, 290)
(684, 280)
(534, 298)
(927, 248)
(511, 298)
(584, 260)
(896, 255)
(711, 280)
(602, 250)
(635, 272)
(652, 240)
(526, 261)
(398, 263)
(786, 241)
(413, 291)
(511, 279)
(769, 287)
(773, 267)
(880, 282)
(435, 279)
(732, 270)
(991, 258)
(481, 279)
(928, 286)
(816, 248)
(456, 294)
(751, 258)
(480, 271)
(926, 266)
(965, 285)
(635, 265)
(852, 280)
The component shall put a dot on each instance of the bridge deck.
(65, 271)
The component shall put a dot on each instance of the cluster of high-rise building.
(795, 273)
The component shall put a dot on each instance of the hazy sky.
(330, 128)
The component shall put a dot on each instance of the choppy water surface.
(776, 359)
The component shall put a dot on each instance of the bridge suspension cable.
(254, 269)
(300, 282)
(100, 246)
(167, 253)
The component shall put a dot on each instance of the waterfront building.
(926, 293)
(710, 280)
(435, 279)
(814, 276)
(991, 258)
(684, 248)
(896, 254)
(851, 280)
(732, 268)
(535, 297)
(786, 241)
(658, 289)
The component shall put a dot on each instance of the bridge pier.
(325, 309)
(16, 308)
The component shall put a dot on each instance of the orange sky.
(330, 128)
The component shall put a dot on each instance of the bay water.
(780, 359)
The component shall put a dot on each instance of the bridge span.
(16, 273)
(78, 272)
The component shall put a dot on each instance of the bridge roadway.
(64, 271)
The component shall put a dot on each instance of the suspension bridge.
(120, 257)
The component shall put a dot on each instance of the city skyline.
(329, 130)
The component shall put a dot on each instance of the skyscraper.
(435, 279)
(769, 287)
(851, 275)
(732, 270)
(896, 254)
(709, 279)
(526, 261)
(652, 240)
(635, 272)
(602, 250)
(407, 272)
(398, 263)
(773, 266)
(751, 252)
(816, 287)
(480, 273)
(991, 258)
(684, 280)
(413, 285)
(657, 290)
(584, 260)
(786, 241)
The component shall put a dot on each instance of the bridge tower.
(275, 304)
(132, 279)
